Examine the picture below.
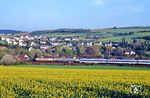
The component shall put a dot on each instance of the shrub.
(8, 60)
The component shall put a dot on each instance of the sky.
(30, 15)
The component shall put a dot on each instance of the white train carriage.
(146, 62)
(122, 61)
(66, 59)
(114, 61)
(92, 60)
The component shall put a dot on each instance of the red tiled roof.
(23, 57)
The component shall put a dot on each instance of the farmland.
(128, 37)
(105, 36)
(72, 82)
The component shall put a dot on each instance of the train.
(95, 61)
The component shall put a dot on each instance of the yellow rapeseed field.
(72, 83)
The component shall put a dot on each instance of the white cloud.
(98, 2)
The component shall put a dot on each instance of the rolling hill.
(10, 31)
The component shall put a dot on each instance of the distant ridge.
(135, 27)
(67, 30)
(61, 31)
(114, 29)
(10, 31)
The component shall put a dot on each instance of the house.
(23, 57)
(108, 44)
(42, 42)
(33, 44)
(53, 39)
(98, 43)
(67, 39)
(16, 38)
(129, 53)
(20, 40)
(69, 44)
(83, 43)
(44, 47)
(31, 48)
(23, 44)
(55, 43)
(22, 37)
(75, 39)
(8, 40)
(2, 38)
(89, 44)
(15, 43)
(132, 53)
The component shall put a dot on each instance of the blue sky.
(31, 15)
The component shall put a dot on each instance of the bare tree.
(8, 60)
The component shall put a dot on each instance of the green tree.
(34, 53)
(81, 49)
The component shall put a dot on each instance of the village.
(32, 47)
